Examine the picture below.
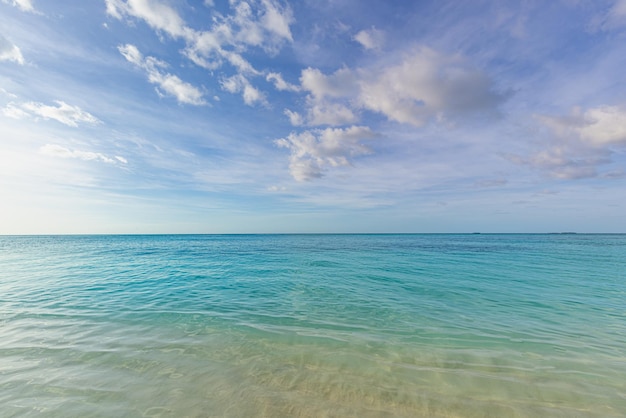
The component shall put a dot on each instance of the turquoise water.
(313, 326)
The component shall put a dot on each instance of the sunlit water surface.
(313, 326)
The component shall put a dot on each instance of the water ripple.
(313, 325)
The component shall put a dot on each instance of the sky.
(312, 116)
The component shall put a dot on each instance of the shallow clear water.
(313, 325)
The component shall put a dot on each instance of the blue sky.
(227, 116)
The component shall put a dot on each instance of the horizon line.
(303, 233)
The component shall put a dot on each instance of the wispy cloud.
(64, 113)
(564, 163)
(24, 5)
(263, 24)
(13, 111)
(9, 51)
(167, 84)
(55, 150)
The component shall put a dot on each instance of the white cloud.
(342, 83)
(313, 151)
(174, 86)
(258, 23)
(371, 39)
(239, 62)
(597, 126)
(280, 83)
(13, 111)
(240, 84)
(581, 143)
(424, 86)
(156, 14)
(55, 150)
(66, 114)
(10, 52)
(335, 114)
(24, 5)
(261, 24)
(7, 93)
(604, 125)
(427, 85)
(167, 84)
(277, 19)
(294, 117)
(205, 51)
(132, 54)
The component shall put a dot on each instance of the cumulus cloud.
(342, 83)
(425, 85)
(10, 52)
(24, 5)
(371, 38)
(240, 84)
(581, 143)
(167, 84)
(295, 118)
(596, 126)
(330, 97)
(55, 150)
(314, 151)
(64, 113)
(334, 114)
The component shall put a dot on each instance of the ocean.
(474, 325)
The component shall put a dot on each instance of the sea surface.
(475, 325)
